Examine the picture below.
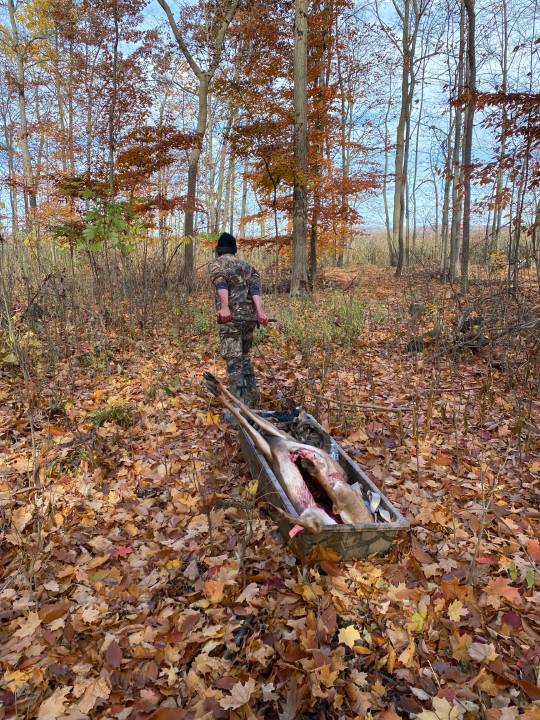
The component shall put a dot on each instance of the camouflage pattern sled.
(337, 542)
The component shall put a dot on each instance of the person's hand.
(262, 318)
(224, 315)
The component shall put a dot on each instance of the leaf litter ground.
(140, 580)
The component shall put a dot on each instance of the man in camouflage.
(239, 309)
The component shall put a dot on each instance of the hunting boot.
(250, 382)
(236, 381)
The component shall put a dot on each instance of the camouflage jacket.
(241, 279)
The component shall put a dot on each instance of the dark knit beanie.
(226, 244)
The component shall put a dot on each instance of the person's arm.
(224, 312)
(219, 280)
(255, 292)
(261, 314)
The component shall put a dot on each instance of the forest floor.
(140, 580)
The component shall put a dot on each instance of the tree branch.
(180, 40)
(220, 37)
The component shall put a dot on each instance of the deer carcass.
(287, 457)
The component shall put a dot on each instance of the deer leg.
(217, 387)
(257, 438)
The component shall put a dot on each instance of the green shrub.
(336, 320)
(120, 414)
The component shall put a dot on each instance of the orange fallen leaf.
(533, 548)
(214, 590)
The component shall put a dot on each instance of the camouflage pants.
(235, 341)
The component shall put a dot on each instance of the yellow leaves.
(92, 691)
(460, 646)
(442, 710)
(252, 488)
(53, 707)
(21, 517)
(534, 467)
(240, 695)
(406, 657)
(173, 564)
(348, 636)
(28, 626)
(456, 611)
(15, 680)
(211, 418)
(132, 529)
(419, 618)
(307, 592)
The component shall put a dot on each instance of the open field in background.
(139, 578)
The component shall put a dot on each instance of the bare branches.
(180, 40)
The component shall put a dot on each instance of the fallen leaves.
(53, 707)
(498, 588)
(442, 710)
(348, 636)
(240, 695)
(145, 598)
(456, 611)
(28, 626)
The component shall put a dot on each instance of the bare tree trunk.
(446, 201)
(232, 193)
(63, 141)
(228, 184)
(243, 209)
(399, 168)
(299, 276)
(112, 104)
(391, 248)
(22, 135)
(467, 142)
(211, 167)
(498, 209)
(535, 242)
(416, 148)
(10, 153)
(204, 78)
(344, 165)
(217, 222)
(456, 165)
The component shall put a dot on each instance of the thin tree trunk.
(243, 209)
(22, 135)
(456, 165)
(416, 148)
(399, 169)
(391, 249)
(112, 104)
(204, 78)
(10, 153)
(498, 208)
(299, 276)
(535, 242)
(60, 103)
(467, 139)
(221, 174)
(446, 201)
(232, 194)
(211, 166)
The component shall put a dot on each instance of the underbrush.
(338, 321)
(120, 414)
